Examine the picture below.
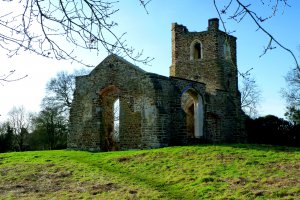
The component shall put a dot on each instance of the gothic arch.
(193, 105)
(120, 124)
(196, 50)
(108, 98)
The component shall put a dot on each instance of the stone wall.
(91, 112)
(146, 101)
(199, 102)
(213, 68)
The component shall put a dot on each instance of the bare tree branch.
(8, 77)
(42, 27)
(144, 4)
(242, 10)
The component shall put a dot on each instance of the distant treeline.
(272, 130)
(263, 130)
(39, 139)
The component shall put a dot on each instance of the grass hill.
(192, 172)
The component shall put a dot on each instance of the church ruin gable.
(120, 106)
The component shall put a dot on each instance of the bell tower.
(208, 56)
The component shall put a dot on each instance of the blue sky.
(152, 34)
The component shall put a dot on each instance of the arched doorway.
(110, 119)
(192, 104)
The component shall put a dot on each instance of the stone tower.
(199, 102)
(208, 57)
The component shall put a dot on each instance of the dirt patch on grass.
(277, 186)
(131, 157)
(41, 181)
(3, 172)
(100, 188)
(38, 178)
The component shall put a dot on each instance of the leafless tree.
(292, 96)
(60, 89)
(250, 96)
(19, 120)
(237, 10)
(292, 93)
(42, 26)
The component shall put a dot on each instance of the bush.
(272, 130)
(6, 139)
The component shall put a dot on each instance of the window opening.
(197, 51)
(116, 111)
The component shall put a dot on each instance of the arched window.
(196, 52)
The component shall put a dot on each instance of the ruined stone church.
(119, 106)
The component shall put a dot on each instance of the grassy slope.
(195, 172)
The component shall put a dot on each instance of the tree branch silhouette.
(242, 10)
(42, 27)
(9, 77)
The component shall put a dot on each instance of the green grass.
(193, 172)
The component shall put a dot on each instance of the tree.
(272, 130)
(51, 129)
(237, 11)
(293, 114)
(51, 124)
(6, 137)
(250, 95)
(59, 91)
(292, 96)
(41, 26)
(19, 120)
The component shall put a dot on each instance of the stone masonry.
(199, 102)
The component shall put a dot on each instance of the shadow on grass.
(112, 166)
(167, 190)
(262, 147)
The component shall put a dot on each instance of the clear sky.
(152, 34)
